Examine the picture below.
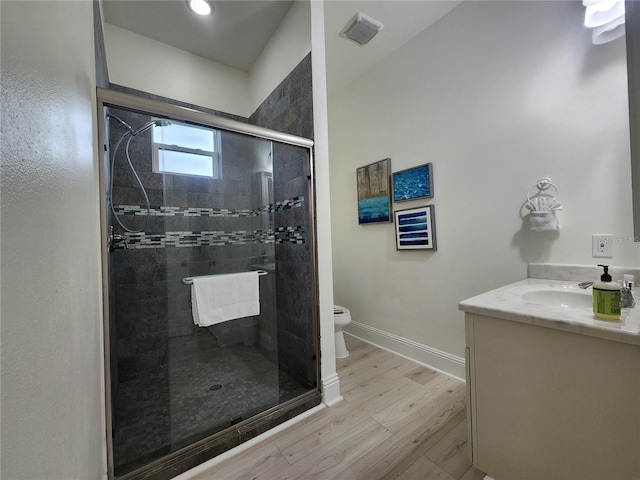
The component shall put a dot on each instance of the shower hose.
(130, 134)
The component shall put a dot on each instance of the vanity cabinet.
(546, 403)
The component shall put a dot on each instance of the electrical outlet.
(602, 245)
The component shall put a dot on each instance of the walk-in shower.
(186, 195)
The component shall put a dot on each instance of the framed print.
(415, 229)
(412, 183)
(374, 192)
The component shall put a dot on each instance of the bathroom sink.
(558, 304)
(566, 298)
(552, 295)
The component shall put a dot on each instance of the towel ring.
(543, 185)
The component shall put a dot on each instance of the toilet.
(341, 318)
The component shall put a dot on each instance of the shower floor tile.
(205, 389)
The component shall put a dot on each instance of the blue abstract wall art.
(415, 229)
(412, 183)
(374, 192)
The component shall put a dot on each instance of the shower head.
(158, 122)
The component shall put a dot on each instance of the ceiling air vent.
(361, 28)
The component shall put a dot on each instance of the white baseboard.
(331, 390)
(443, 362)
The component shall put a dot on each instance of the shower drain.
(215, 387)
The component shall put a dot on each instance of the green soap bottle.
(606, 297)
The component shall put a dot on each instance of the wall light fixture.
(606, 18)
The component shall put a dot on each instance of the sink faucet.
(626, 293)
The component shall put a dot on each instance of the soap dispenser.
(606, 297)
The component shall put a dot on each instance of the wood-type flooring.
(398, 420)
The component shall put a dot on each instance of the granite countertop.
(507, 303)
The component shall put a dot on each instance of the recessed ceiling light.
(201, 7)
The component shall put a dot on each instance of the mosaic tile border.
(295, 235)
(141, 210)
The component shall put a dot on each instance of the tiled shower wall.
(289, 109)
(152, 303)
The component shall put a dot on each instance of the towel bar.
(189, 280)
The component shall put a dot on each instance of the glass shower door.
(178, 383)
(184, 200)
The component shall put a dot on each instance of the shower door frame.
(188, 457)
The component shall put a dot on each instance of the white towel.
(218, 298)
(543, 221)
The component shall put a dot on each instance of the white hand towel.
(218, 298)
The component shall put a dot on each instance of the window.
(183, 149)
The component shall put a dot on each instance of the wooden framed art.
(374, 192)
(412, 183)
(415, 229)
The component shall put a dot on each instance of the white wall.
(148, 65)
(330, 381)
(286, 49)
(145, 64)
(496, 95)
(52, 383)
